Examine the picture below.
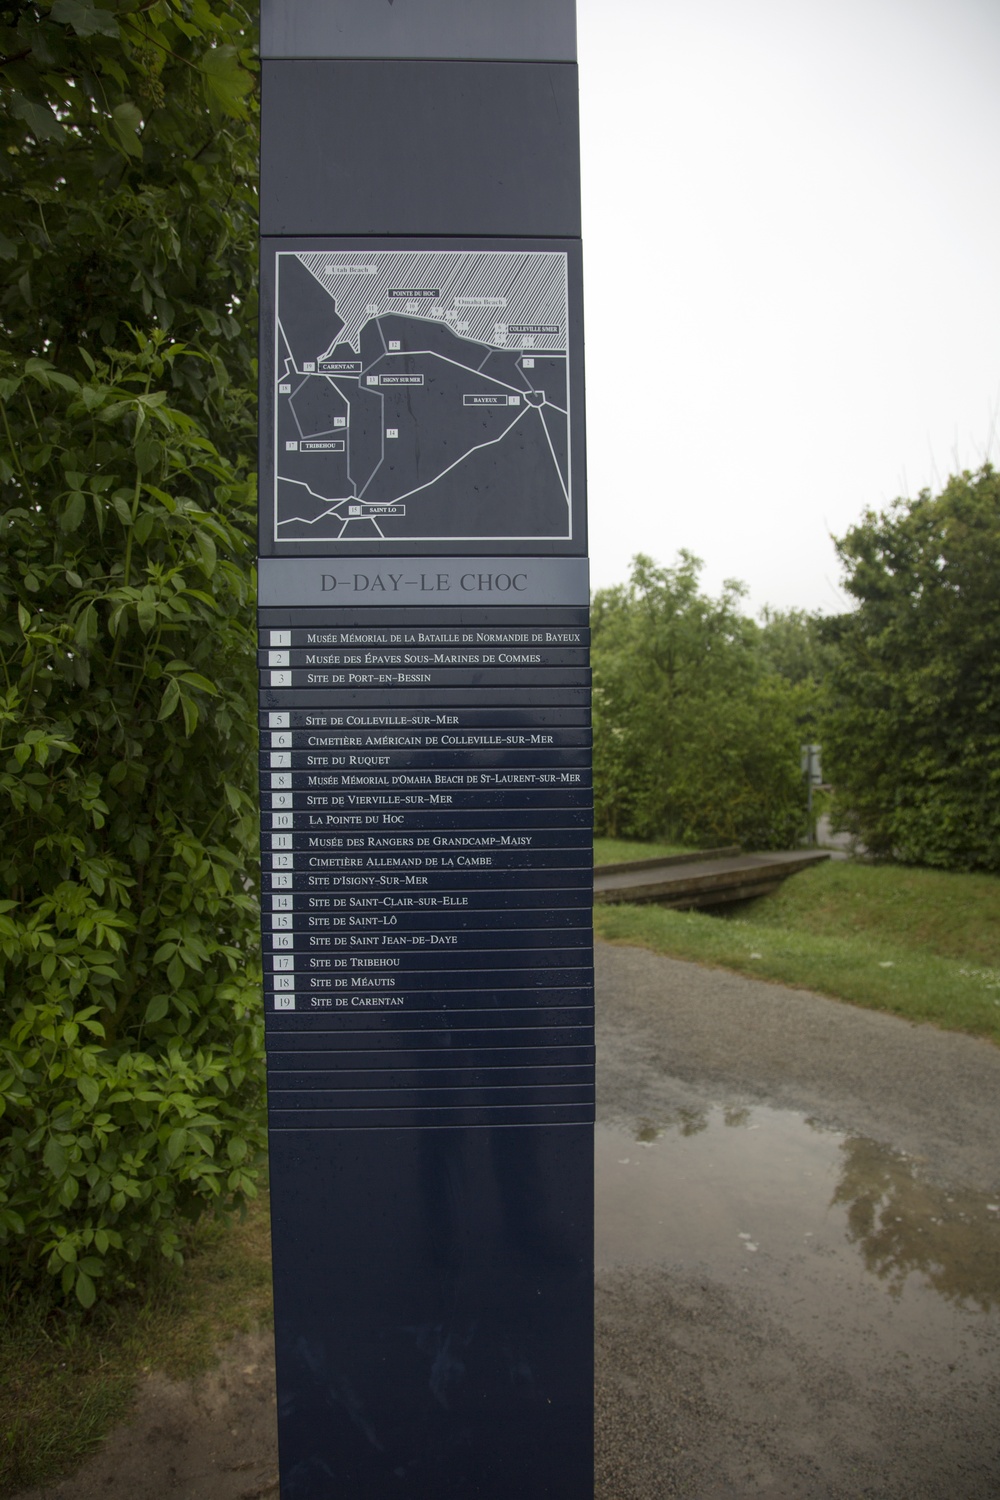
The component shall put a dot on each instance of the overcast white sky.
(792, 261)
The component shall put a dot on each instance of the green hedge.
(130, 1044)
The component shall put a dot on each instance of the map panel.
(422, 396)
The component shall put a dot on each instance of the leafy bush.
(913, 731)
(128, 194)
(130, 1046)
(696, 735)
(130, 1059)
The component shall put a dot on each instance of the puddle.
(837, 1227)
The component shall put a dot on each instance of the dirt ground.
(854, 1353)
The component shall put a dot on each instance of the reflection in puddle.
(901, 1225)
(760, 1191)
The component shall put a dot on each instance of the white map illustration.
(422, 396)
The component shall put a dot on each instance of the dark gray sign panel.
(429, 148)
(428, 982)
(508, 30)
(425, 775)
(359, 580)
(422, 395)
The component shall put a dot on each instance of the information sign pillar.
(425, 749)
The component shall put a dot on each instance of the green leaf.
(147, 453)
(85, 18)
(54, 1157)
(73, 511)
(127, 120)
(39, 119)
(157, 1009)
(144, 526)
(208, 554)
(48, 376)
(138, 847)
(69, 1192)
(175, 971)
(171, 698)
(227, 82)
(86, 1293)
(85, 634)
(196, 680)
(88, 1088)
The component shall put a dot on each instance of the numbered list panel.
(427, 866)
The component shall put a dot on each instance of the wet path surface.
(798, 1250)
(758, 1192)
(798, 1245)
(864, 1260)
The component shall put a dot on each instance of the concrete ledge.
(706, 880)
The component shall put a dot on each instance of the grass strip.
(868, 967)
(928, 911)
(65, 1383)
(617, 851)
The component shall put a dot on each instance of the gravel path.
(676, 1031)
(807, 1378)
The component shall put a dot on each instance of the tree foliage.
(127, 189)
(130, 1044)
(793, 643)
(913, 735)
(695, 735)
